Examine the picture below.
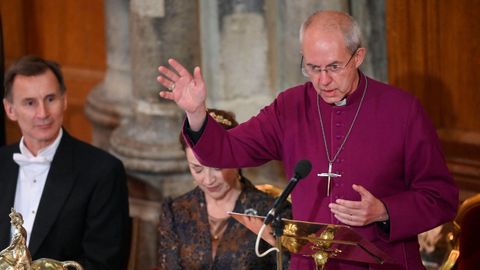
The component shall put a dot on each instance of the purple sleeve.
(252, 143)
(431, 197)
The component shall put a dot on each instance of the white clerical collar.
(47, 152)
(342, 102)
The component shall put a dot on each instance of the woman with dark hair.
(195, 230)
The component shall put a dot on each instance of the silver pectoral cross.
(329, 176)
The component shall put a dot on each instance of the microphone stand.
(302, 169)
(277, 226)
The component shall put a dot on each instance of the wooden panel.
(13, 28)
(434, 52)
(69, 32)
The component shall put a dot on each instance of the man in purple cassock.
(376, 161)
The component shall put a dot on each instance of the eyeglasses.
(312, 70)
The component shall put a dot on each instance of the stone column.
(235, 55)
(371, 18)
(235, 62)
(109, 101)
(147, 142)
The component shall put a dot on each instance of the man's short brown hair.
(31, 65)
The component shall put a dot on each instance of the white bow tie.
(23, 160)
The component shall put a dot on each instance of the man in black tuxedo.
(73, 196)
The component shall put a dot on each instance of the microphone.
(302, 169)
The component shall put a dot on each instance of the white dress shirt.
(32, 175)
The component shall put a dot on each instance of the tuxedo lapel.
(8, 185)
(57, 189)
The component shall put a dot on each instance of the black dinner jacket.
(83, 211)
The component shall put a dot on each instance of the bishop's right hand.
(186, 90)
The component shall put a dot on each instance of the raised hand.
(359, 213)
(186, 90)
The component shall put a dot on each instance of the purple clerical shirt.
(392, 150)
